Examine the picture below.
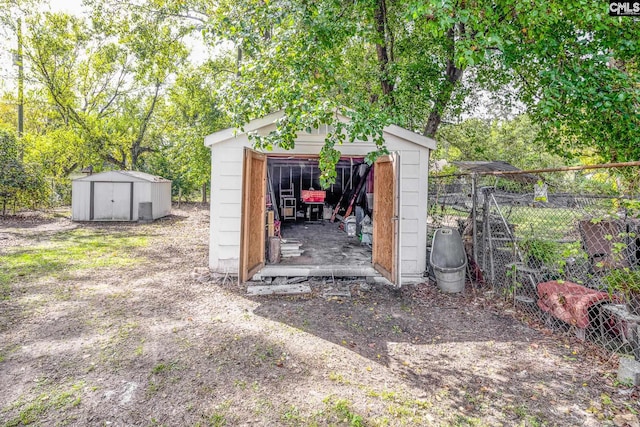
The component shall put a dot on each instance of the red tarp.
(569, 301)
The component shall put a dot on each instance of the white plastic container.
(448, 260)
(350, 226)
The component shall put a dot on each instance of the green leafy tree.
(406, 61)
(511, 140)
(105, 79)
(191, 112)
(12, 174)
(19, 183)
(290, 58)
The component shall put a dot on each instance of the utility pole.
(20, 82)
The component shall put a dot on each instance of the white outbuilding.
(120, 196)
(247, 184)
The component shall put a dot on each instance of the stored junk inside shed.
(311, 226)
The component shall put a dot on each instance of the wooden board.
(385, 218)
(270, 224)
(295, 289)
(252, 232)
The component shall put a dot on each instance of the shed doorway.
(282, 197)
(112, 201)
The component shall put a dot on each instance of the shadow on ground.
(490, 365)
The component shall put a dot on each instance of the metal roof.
(487, 167)
(136, 175)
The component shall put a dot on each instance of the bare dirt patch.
(145, 343)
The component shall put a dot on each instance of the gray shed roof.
(497, 166)
(131, 175)
(270, 119)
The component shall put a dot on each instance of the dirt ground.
(151, 343)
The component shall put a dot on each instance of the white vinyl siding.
(226, 197)
(226, 204)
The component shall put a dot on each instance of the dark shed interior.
(312, 230)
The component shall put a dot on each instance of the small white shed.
(240, 194)
(117, 195)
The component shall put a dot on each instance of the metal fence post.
(474, 205)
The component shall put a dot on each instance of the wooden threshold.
(275, 270)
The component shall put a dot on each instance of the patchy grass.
(342, 408)
(463, 420)
(116, 350)
(543, 223)
(5, 352)
(67, 251)
(218, 418)
(337, 411)
(401, 407)
(163, 367)
(54, 399)
(338, 378)
(292, 415)
(161, 376)
(156, 347)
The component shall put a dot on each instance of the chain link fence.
(563, 247)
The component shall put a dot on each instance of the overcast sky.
(69, 6)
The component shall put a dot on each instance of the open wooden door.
(386, 223)
(254, 175)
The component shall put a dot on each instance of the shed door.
(252, 227)
(112, 201)
(386, 218)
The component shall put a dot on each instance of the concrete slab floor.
(324, 244)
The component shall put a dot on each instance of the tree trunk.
(137, 149)
(204, 193)
(383, 49)
(453, 75)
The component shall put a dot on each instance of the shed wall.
(158, 193)
(80, 200)
(141, 193)
(226, 196)
(226, 199)
(161, 199)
